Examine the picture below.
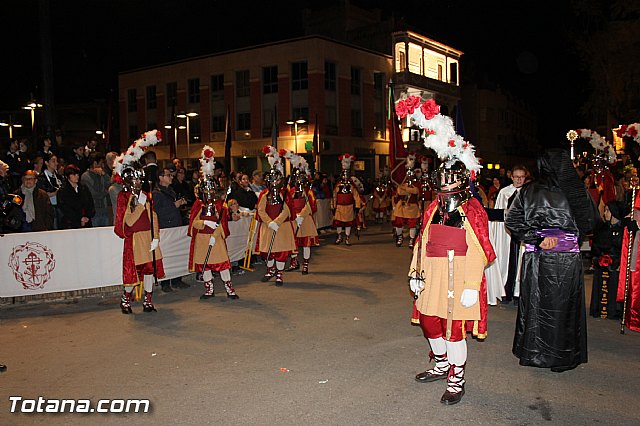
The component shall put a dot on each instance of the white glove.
(299, 220)
(416, 285)
(212, 241)
(211, 224)
(469, 297)
(142, 198)
(274, 226)
(154, 244)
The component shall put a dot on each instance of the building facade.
(336, 89)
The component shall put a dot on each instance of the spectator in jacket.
(38, 212)
(167, 206)
(74, 201)
(97, 182)
(50, 181)
(241, 191)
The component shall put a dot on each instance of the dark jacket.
(43, 220)
(247, 199)
(49, 184)
(164, 198)
(73, 206)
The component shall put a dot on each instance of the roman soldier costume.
(346, 201)
(406, 209)
(447, 270)
(381, 198)
(208, 229)
(137, 224)
(303, 205)
(276, 234)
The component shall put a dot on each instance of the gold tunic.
(284, 240)
(142, 239)
(467, 274)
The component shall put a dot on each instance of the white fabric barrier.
(323, 216)
(76, 259)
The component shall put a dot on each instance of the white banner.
(76, 259)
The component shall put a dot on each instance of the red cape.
(192, 232)
(632, 314)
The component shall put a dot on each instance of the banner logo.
(32, 264)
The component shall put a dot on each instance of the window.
(152, 125)
(332, 120)
(270, 79)
(244, 121)
(302, 112)
(217, 123)
(133, 132)
(172, 94)
(356, 122)
(453, 73)
(151, 98)
(242, 83)
(402, 59)
(378, 85)
(194, 129)
(330, 76)
(440, 72)
(132, 102)
(193, 88)
(356, 81)
(299, 78)
(217, 87)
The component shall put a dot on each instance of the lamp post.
(175, 136)
(31, 106)
(188, 116)
(295, 123)
(10, 125)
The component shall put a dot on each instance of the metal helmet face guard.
(452, 185)
(274, 181)
(300, 181)
(452, 178)
(132, 179)
(599, 164)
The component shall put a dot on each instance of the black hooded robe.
(551, 328)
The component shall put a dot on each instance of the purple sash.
(567, 242)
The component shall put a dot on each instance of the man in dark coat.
(551, 216)
(167, 206)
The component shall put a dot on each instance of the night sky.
(515, 45)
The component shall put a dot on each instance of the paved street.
(332, 347)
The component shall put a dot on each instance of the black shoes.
(429, 376)
(451, 398)
(3, 368)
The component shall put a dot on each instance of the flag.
(274, 128)
(316, 146)
(227, 143)
(173, 148)
(396, 146)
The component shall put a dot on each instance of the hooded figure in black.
(551, 216)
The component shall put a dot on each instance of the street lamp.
(32, 107)
(10, 125)
(175, 136)
(295, 129)
(188, 116)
